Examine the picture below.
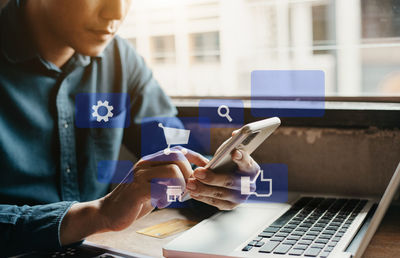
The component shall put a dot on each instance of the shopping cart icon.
(174, 136)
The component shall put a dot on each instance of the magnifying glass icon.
(225, 114)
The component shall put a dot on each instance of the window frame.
(341, 112)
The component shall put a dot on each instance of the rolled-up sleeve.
(27, 228)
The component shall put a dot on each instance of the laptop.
(306, 226)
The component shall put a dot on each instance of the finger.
(194, 157)
(226, 180)
(235, 132)
(196, 187)
(220, 204)
(163, 173)
(245, 162)
(161, 159)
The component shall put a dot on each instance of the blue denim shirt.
(46, 163)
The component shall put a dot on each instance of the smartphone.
(247, 139)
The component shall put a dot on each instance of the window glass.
(210, 47)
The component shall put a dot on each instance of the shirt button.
(68, 170)
(66, 125)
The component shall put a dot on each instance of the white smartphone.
(248, 138)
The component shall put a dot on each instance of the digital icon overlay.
(269, 185)
(174, 136)
(245, 185)
(167, 192)
(288, 93)
(174, 193)
(223, 113)
(165, 133)
(102, 110)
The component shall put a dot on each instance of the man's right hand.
(129, 201)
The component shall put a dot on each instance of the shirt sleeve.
(147, 100)
(31, 228)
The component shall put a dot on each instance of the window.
(205, 47)
(163, 49)
(214, 45)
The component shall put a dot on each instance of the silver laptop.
(306, 226)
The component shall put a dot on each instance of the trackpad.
(225, 231)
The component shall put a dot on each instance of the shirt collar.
(17, 44)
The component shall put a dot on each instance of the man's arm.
(27, 228)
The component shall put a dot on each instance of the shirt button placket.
(69, 183)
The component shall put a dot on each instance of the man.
(49, 196)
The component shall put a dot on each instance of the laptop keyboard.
(311, 227)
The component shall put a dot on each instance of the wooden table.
(386, 242)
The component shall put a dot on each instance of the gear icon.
(105, 105)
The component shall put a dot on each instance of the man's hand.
(222, 190)
(129, 201)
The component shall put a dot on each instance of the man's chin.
(92, 50)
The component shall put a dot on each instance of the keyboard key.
(329, 232)
(318, 246)
(306, 225)
(309, 238)
(329, 248)
(289, 242)
(282, 249)
(279, 239)
(305, 242)
(271, 229)
(268, 247)
(247, 248)
(259, 244)
(325, 236)
(288, 228)
(318, 229)
(282, 220)
(281, 234)
(296, 252)
(293, 237)
(336, 239)
(312, 252)
(321, 241)
(253, 243)
(298, 233)
(302, 229)
(301, 247)
(339, 234)
(266, 234)
(332, 244)
(333, 228)
(312, 233)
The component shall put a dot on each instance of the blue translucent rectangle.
(159, 133)
(275, 175)
(167, 192)
(291, 93)
(114, 171)
(102, 110)
(223, 113)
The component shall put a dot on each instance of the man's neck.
(48, 45)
